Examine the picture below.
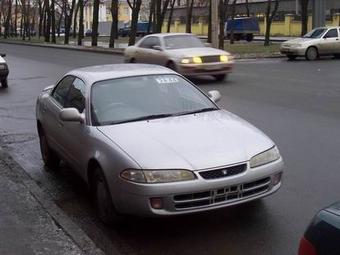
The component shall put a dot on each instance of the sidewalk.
(30, 222)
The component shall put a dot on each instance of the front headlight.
(265, 157)
(157, 176)
(224, 58)
(185, 60)
(197, 60)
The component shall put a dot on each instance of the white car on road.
(183, 53)
(3, 71)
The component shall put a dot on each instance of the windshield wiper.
(208, 109)
(148, 117)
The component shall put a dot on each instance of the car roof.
(92, 74)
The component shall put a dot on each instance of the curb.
(69, 47)
(116, 51)
(78, 236)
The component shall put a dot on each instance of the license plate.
(212, 67)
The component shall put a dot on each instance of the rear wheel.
(291, 57)
(49, 157)
(132, 60)
(312, 53)
(4, 83)
(220, 77)
(103, 200)
(249, 37)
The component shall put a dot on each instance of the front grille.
(223, 172)
(211, 59)
(223, 195)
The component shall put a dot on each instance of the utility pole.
(214, 23)
(319, 13)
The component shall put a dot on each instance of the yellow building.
(124, 12)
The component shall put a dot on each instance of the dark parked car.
(243, 28)
(322, 237)
(3, 70)
(142, 29)
(88, 33)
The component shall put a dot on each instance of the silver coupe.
(148, 142)
(184, 53)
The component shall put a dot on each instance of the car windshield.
(316, 33)
(182, 41)
(145, 97)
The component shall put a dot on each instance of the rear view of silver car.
(184, 53)
(148, 142)
(319, 42)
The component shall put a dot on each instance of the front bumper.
(205, 69)
(200, 194)
(293, 51)
(3, 74)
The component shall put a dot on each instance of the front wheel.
(49, 157)
(220, 77)
(4, 83)
(103, 200)
(312, 53)
(172, 66)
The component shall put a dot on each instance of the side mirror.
(71, 115)
(157, 47)
(3, 55)
(215, 95)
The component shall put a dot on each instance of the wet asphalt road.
(295, 103)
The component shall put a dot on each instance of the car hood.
(299, 40)
(194, 142)
(194, 52)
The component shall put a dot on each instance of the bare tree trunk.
(59, 21)
(68, 21)
(151, 15)
(172, 5)
(95, 23)
(247, 8)
(114, 24)
(41, 17)
(75, 20)
(232, 36)
(1, 9)
(223, 6)
(304, 16)
(270, 14)
(190, 6)
(81, 22)
(135, 7)
(7, 18)
(16, 18)
(210, 22)
(52, 8)
(48, 21)
(28, 17)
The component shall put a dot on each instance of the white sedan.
(183, 53)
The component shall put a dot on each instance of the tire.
(249, 37)
(172, 66)
(103, 200)
(337, 56)
(4, 83)
(132, 60)
(312, 53)
(291, 57)
(220, 77)
(50, 158)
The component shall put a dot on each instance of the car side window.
(76, 95)
(149, 42)
(61, 90)
(332, 33)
